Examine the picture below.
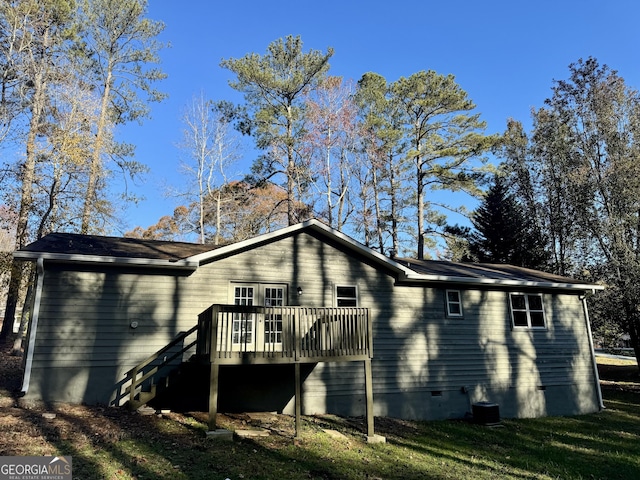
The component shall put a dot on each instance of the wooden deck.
(238, 334)
(234, 334)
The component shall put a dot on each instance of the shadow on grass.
(116, 443)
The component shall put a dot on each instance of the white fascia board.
(508, 283)
(185, 264)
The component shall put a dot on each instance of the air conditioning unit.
(486, 413)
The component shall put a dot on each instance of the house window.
(346, 296)
(454, 303)
(527, 310)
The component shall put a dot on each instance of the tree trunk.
(420, 193)
(94, 169)
(376, 199)
(633, 327)
(291, 168)
(26, 195)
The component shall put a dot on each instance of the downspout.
(34, 325)
(593, 352)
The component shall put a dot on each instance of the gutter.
(97, 259)
(416, 277)
(35, 314)
(593, 352)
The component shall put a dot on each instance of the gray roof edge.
(404, 273)
(184, 264)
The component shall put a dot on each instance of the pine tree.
(502, 232)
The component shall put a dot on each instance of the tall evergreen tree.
(503, 234)
(443, 135)
(383, 145)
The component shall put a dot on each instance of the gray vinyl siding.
(426, 365)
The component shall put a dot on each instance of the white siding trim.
(593, 352)
(35, 314)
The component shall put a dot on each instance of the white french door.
(273, 297)
(243, 325)
(253, 332)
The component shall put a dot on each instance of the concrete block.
(220, 434)
(376, 439)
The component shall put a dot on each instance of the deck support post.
(298, 398)
(213, 395)
(368, 388)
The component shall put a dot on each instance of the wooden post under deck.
(215, 367)
(213, 395)
(368, 387)
(298, 398)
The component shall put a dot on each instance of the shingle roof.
(75, 244)
(481, 271)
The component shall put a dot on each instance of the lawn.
(108, 443)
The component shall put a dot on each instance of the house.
(287, 320)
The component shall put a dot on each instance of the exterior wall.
(425, 366)
(429, 366)
(84, 340)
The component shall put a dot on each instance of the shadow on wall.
(85, 341)
(430, 366)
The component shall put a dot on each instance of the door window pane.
(242, 326)
(273, 297)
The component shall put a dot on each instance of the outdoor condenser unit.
(486, 413)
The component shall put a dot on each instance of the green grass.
(604, 445)
(122, 445)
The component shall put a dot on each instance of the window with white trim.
(454, 303)
(346, 296)
(527, 310)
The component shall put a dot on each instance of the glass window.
(527, 310)
(273, 297)
(346, 296)
(243, 322)
(454, 303)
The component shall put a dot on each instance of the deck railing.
(231, 334)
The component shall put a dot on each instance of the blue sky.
(505, 54)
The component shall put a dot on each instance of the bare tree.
(211, 147)
(331, 136)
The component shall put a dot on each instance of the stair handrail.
(133, 373)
